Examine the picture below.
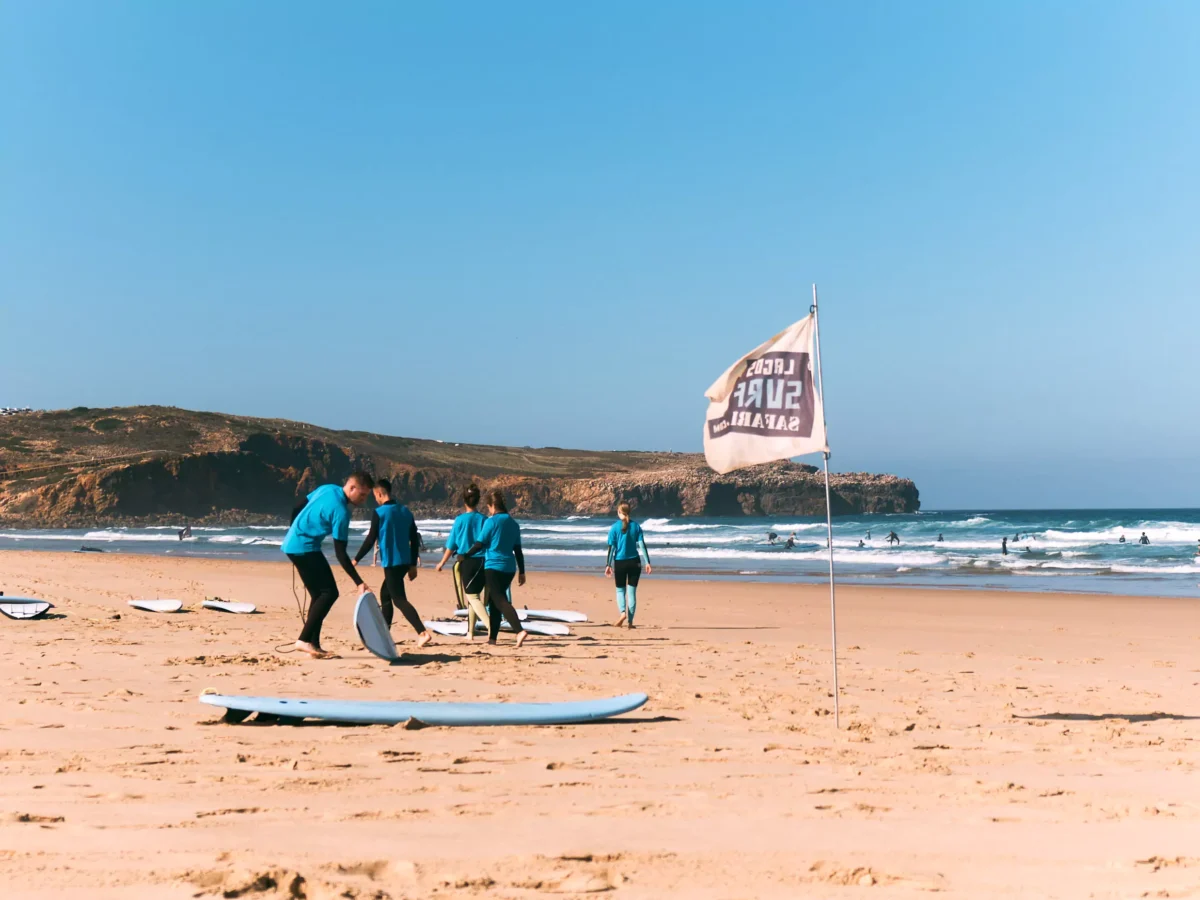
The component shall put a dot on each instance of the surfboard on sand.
(23, 607)
(459, 629)
(544, 615)
(157, 606)
(372, 630)
(377, 712)
(228, 606)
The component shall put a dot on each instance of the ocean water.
(1058, 550)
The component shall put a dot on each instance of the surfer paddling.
(325, 514)
(624, 564)
(500, 539)
(395, 530)
(468, 570)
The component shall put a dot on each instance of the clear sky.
(556, 223)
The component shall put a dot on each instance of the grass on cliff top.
(73, 436)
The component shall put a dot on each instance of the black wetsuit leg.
(393, 594)
(470, 569)
(627, 571)
(496, 585)
(318, 580)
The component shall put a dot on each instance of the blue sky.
(556, 223)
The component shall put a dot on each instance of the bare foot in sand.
(521, 638)
(620, 621)
(424, 638)
(314, 651)
(491, 642)
(630, 625)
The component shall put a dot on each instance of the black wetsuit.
(495, 589)
(392, 594)
(318, 580)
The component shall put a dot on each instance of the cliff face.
(150, 464)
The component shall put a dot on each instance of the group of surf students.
(487, 551)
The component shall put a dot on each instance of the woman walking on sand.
(468, 570)
(624, 563)
(500, 539)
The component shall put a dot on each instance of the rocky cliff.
(144, 465)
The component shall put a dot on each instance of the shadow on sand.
(1108, 717)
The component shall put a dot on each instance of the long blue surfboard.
(382, 712)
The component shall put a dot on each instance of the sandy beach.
(993, 745)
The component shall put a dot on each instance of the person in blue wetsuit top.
(468, 570)
(325, 514)
(624, 564)
(500, 539)
(395, 529)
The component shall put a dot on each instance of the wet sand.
(993, 745)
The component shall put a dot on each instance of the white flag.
(765, 407)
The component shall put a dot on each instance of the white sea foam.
(1063, 547)
(139, 536)
(1156, 570)
(657, 526)
(539, 528)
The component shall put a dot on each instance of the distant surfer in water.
(791, 541)
(861, 544)
(893, 538)
(185, 532)
(1143, 539)
(1121, 540)
(326, 514)
(395, 530)
(500, 537)
(1004, 546)
(940, 539)
(468, 570)
(772, 537)
(624, 563)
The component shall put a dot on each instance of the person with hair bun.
(624, 562)
(500, 538)
(468, 569)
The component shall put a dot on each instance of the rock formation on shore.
(148, 465)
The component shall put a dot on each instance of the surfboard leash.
(301, 609)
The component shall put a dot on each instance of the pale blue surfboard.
(372, 630)
(382, 712)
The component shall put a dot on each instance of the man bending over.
(326, 514)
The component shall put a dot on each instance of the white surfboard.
(157, 606)
(459, 629)
(229, 606)
(23, 607)
(372, 630)
(544, 615)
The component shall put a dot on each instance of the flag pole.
(837, 724)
